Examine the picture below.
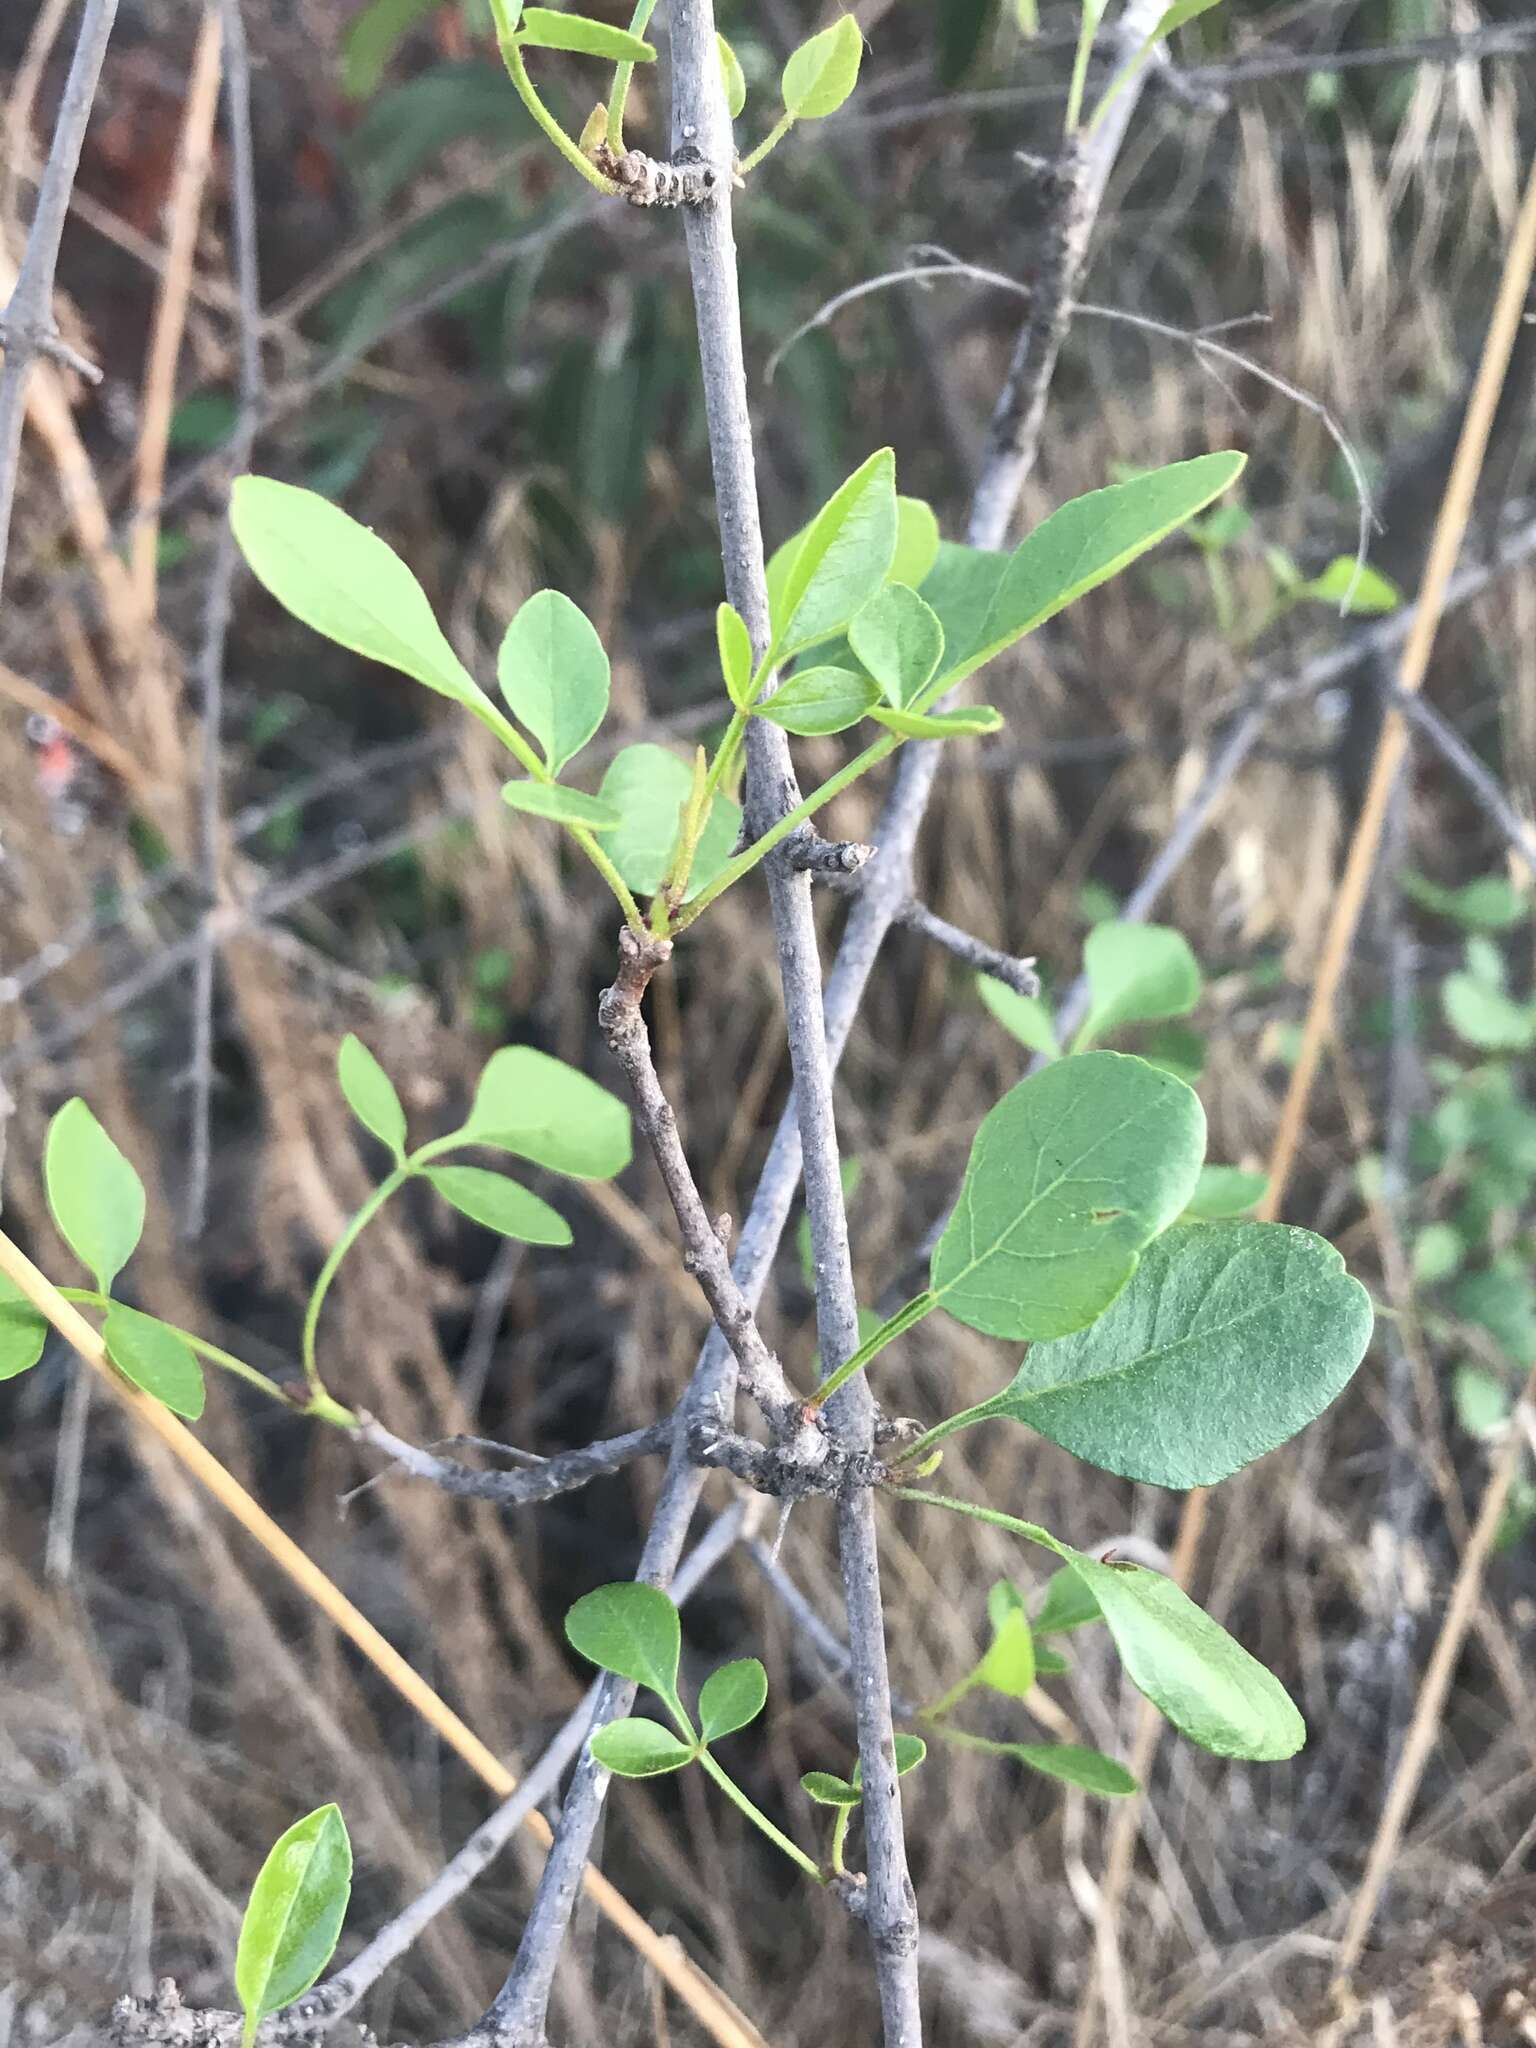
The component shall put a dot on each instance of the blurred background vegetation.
(500, 376)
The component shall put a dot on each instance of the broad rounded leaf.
(823, 71)
(1137, 974)
(917, 542)
(731, 1697)
(1009, 1665)
(820, 700)
(828, 1790)
(1074, 1171)
(156, 1358)
(370, 1094)
(545, 28)
(648, 786)
(732, 77)
(499, 1204)
(638, 1748)
(565, 806)
(1025, 1016)
(554, 675)
(538, 1107)
(899, 640)
(1073, 1765)
(735, 645)
(1223, 1192)
(972, 722)
(630, 1629)
(1228, 1339)
(295, 1914)
(96, 1198)
(341, 579)
(23, 1332)
(831, 572)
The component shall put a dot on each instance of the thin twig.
(562, 1473)
(1455, 752)
(1014, 973)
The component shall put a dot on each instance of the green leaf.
(565, 806)
(1372, 592)
(371, 39)
(820, 700)
(1073, 1765)
(499, 1204)
(733, 77)
(1009, 1665)
(735, 644)
(828, 1790)
(343, 581)
(909, 1752)
(986, 602)
(1068, 1604)
(294, 1917)
(631, 1629)
(1074, 1171)
(731, 1697)
(917, 542)
(974, 721)
(823, 71)
(96, 1198)
(23, 1332)
(843, 557)
(1025, 1016)
(638, 1748)
(1223, 1192)
(543, 28)
(1228, 1340)
(648, 785)
(538, 1107)
(1484, 1016)
(156, 1358)
(371, 1094)
(1177, 15)
(1137, 974)
(1438, 1250)
(1488, 903)
(899, 640)
(554, 675)
(1177, 1050)
(1049, 1663)
(1482, 1402)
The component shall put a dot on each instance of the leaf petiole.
(760, 1820)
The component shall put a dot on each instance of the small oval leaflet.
(639, 1748)
(546, 28)
(731, 1697)
(554, 675)
(532, 1104)
(23, 1332)
(95, 1196)
(565, 806)
(631, 1629)
(294, 1917)
(370, 1094)
(499, 1203)
(156, 1358)
(819, 701)
(823, 71)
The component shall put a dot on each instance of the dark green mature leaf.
(1224, 1192)
(823, 71)
(1074, 1171)
(371, 39)
(23, 1332)
(638, 1748)
(960, 27)
(631, 1629)
(1068, 1604)
(370, 1094)
(817, 701)
(899, 640)
(971, 722)
(341, 579)
(1025, 1016)
(295, 1914)
(155, 1358)
(544, 28)
(1137, 974)
(538, 1107)
(830, 573)
(648, 786)
(500, 1204)
(96, 1198)
(987, 601)
(1228, 1339)
(554, 675)
(564, 806)
(731, 1697)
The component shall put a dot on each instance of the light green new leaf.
(735, 644)
(1227, 1340)
(565, 806)
(96, 1198)
(1137, 974)
(1009, 1665)
(823, 71)
(1068, 1604)
(917, 542)
(638, 1748)
(371, 1094)
(343, 581)
(817, 701)
(842, 559)
(972, 722)
(733, 78)
(1087, 1769)
(295, 1914)
(899, 640)
(538, 1107)
(1025, 1016)
(543, 28)
(731, 1697)
(554, 675)
(828, 1790)
(1485, 1017)
(986, 601)
(1177, 15)
(1489, 902)
(1367, 589)
(156, 1358)
(1224, 1192)
(499, 1204)
(23, 1332)
(630, 1629)
(648, 786)
(1074, 1171)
